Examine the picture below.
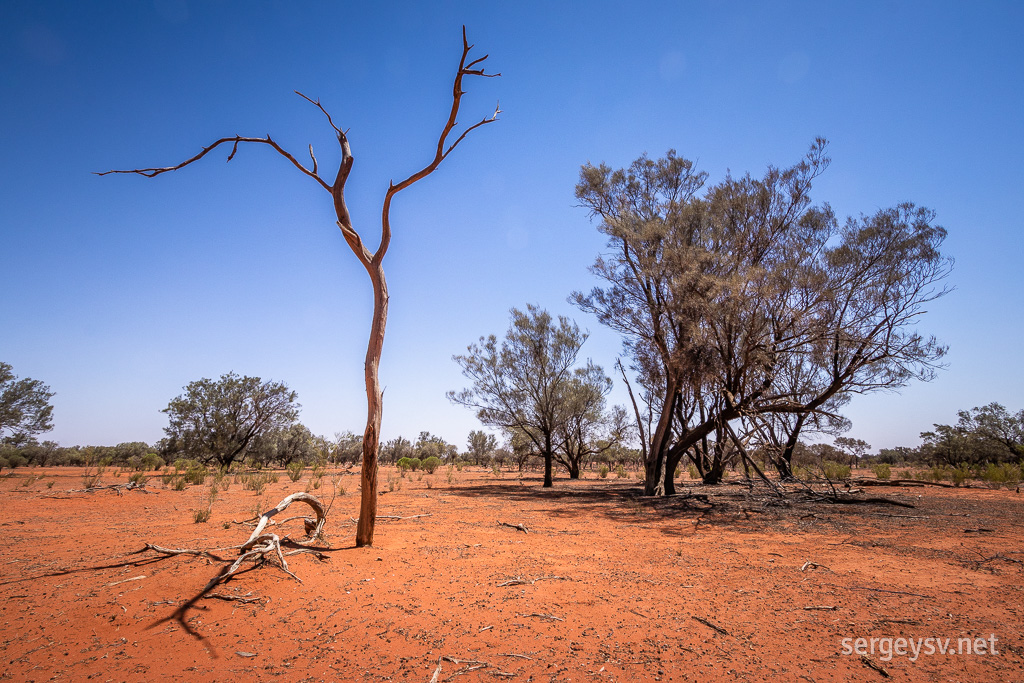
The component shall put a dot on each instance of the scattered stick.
(134, 578)
(871, 665)
(513, 654)
(517, 581)
(117, 488)
(472, 665)
(903, 482)
(550, 617)
(822, 607)
(234, 598)
(812, 565)
(883, 590)
(518, 527)
(396, 517)
(714, 627)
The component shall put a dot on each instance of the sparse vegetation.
(295, 470)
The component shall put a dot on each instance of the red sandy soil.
(615, 587)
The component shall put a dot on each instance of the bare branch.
(319, 106)
(234, 140)
(443, 148)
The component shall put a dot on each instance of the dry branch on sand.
(260, 546)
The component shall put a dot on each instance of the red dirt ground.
(616, 587)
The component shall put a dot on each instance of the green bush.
(4, 463)
(258, 481)
(137, 478)
(431, 464)
(961, 474)
(404, 464)
(882, 471)
(1005, 473)
(620, 471)
(295, 470)
(691, 469)
(16, 460)
(196, 474)
(833, 470)
(152, 461)
(603, 471)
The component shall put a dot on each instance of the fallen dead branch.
(134, 578)
(812, 565)
(235, 598)
(517, 527)
(471, 665)
(712, 626)
(812, 608)
(259, 547)
(539, 615)
(884, 590)
(117, 488)
(904, 482)
(517, 581)
(871, 665)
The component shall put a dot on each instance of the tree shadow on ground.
(741, 506)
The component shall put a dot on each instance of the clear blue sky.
(118, 291)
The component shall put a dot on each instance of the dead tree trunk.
(371, 261)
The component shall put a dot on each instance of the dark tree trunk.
(784, 462)
(548, 464)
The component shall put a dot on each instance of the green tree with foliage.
(522, 383)
(722, 292)
(480, 446)
(219, 420)
(25, 408)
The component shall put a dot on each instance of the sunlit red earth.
(605, 586)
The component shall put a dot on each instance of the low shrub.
(620, 472)
(257, 481)
(295, 470)
(882, 471)
(1006, 473)
(431, 464)
(152, 461)
(833, 470)
(196, 474)
(603, 471)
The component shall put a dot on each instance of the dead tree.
(372, 261)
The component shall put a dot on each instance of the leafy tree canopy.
(219, 420)
(25, 408)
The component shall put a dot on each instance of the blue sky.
(119, 290)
